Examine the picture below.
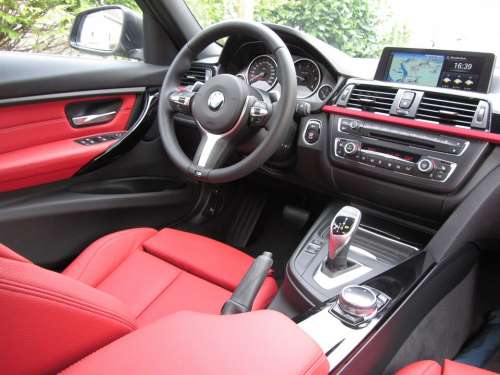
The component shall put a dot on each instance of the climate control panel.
(410, 164)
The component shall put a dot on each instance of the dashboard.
(415, 141)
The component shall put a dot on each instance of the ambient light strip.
(447, 129)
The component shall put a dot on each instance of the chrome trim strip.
(98, 118)
(151, 98)
(73, 94)
(344, 278)
(212, 139)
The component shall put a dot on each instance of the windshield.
(361, 28)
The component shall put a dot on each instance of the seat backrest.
(49, 321)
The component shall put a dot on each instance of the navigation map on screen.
(415, 68)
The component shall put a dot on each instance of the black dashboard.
(394, 144)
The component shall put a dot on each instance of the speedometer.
(308, 77)
(262, 73)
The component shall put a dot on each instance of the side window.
(35, 26)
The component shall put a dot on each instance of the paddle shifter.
(343, 226)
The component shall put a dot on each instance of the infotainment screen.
(470, 71)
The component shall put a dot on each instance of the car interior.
(265, 205)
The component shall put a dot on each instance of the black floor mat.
(275, 234)
(271, 231)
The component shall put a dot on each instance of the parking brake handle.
(243, 297)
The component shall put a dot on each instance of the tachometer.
(262, 72)
(308, 77)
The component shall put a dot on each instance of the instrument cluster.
(262, 73)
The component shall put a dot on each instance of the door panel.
(58, 195)
(39, 142)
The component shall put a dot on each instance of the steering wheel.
(226, 109)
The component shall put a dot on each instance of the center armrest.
(259, 342)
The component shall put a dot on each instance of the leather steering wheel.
(226, 109)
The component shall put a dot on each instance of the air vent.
(447, 109)
(197, 72)
(372, 98)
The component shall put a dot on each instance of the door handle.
(95, 119)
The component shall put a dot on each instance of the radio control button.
(408, 168)
(426, 165)
(350, 148)
(389, 164)
(348, 125)
(440, 176)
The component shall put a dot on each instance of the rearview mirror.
(109, 30)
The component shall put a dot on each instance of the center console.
(416, 158)
(341, 248)
(404, 150)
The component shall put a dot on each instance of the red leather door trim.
(45, 163)
(38, 142)
(446, 129)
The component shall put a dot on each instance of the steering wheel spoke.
(212, 150)
(180, 100)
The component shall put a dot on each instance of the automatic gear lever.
(343, 226)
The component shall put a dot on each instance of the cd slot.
(402, 140)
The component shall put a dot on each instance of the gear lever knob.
(342, 228)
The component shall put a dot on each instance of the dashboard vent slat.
(372, 98)
(447, 109)
(197, 72)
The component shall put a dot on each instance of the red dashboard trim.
(446, 129)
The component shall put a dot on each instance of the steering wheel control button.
(426, 165)
(259, 114)
(181, 100)
(313, 130)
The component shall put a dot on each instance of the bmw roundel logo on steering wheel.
(215, 100)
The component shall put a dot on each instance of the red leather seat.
(448, 368)
(188, 343)
(122, 281)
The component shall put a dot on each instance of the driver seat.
(121, 282)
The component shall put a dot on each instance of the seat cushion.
(50, 321)
(448, 368)
(155, 273)
(259, 342)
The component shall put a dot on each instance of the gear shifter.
(343, 226)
